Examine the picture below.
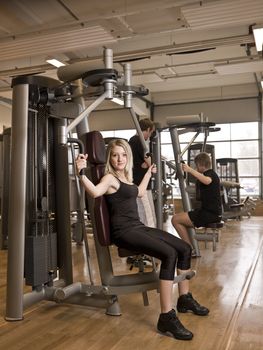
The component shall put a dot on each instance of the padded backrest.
(95, 147)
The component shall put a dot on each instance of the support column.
(17, 205)
(185, 197)
(158, 178)
(261, 144)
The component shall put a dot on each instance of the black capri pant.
(160, 244)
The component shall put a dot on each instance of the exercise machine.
(45, 112)
(233, 206)
(178, 126)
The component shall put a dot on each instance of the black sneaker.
(169, 323)
(186, 303)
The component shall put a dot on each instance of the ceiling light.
(118, 101)
(55, 62)
(258, 35)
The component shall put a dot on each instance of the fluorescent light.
(55, 62)
(258, 35)
(261, 83)
(118, 101)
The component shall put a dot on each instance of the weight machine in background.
(233, 206)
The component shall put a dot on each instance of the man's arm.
(206, 180)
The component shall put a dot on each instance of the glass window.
(244, 149)
(242, 131)
(233, 140)
(248, 167)
(187, 137)
(166, 137)
(222, 135)
(222, 149)
(249, 186)
(126, 134)
(107, 134)
(167, 151)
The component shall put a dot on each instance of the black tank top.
(123, 209)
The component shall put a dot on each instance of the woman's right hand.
(81, 162)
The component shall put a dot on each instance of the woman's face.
(118, 158)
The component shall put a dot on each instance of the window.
(233, 140)
(125, 134)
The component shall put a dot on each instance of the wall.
(238, 110)
(5, 117)
(116, 119)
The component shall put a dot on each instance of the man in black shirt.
(210, 198)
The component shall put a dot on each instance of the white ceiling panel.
(243, 67)
(172, 45)
(55, 42)
(221, 13)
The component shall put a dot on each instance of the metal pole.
(62, 207)
(17, 206)
(185, 197)
(138, 129)
(83, 126)
(128, 82)
(261, 144)
(158, 179)
(87, 111)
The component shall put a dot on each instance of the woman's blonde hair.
(129, 165)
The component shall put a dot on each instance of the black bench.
(210, 233)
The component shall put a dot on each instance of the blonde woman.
(128, 232)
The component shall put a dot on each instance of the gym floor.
(229, 281)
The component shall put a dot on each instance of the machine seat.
(215, 225)
(95, 146)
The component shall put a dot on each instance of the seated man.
(210, 210)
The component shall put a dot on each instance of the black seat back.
(95, 147)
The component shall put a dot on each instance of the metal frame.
(104, 295)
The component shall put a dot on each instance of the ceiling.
(181, 50)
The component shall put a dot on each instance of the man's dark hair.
(146, 123)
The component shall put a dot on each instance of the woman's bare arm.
(144, 183)
(102, 187)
